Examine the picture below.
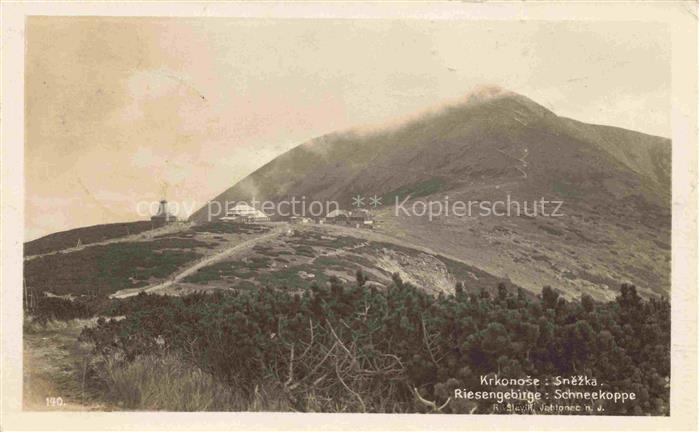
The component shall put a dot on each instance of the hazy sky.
(123, 110)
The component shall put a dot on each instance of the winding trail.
(208, 260)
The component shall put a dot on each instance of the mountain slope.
(491, 146)
(85, 235)
(473, 143)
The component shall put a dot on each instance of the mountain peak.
(489, 94)
(502, 100)
(482, 93)
(477, 141)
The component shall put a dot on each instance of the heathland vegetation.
(352, 347)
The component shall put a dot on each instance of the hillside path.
(55, 366)
(211, 259)
(142, 236)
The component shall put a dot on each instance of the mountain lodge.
(361, 218)
(244, 213)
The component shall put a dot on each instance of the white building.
(337, 216)
(242, 212)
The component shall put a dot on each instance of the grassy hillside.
(315, 255)
(308, 255)
(105, 269)
(108, 268)
(86, 235)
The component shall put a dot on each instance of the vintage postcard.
(294, 215)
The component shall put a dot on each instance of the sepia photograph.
(351, 214)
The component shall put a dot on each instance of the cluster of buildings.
(244, 213)
(359, 218)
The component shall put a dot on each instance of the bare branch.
(444, 404)
(427, 342)
(359, 398)
(423, 400)
(310, 343)
(291, 368)
(338, 339)
(323, 360)
(431, 404)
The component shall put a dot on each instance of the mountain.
(614, 183)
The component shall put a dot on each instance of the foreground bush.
(347, 348)
(45, 308)
(164, 382)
